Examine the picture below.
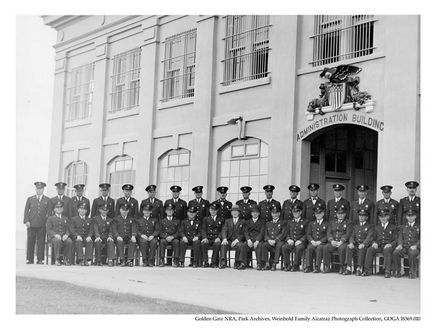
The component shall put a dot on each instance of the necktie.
(103, 218)
(39, 198)
(191, 222)
(152, 201)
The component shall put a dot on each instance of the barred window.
(80, 93)
(244, 163)
(125, 81)
(179, 66)
(121, 171)
(174, 169)
(340, 37)
(75, 173)
(246, 48)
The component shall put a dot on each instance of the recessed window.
(120, 171)
(80, 93)
(75, 173)
(174, 169)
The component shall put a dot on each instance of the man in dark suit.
(337, 202)
(169, 234)
(290, 203)
(81, 232)
(201, 204)
(104, 199)
(133, 204)
(274, 234)
(388, 203)
(311, 202)
(317, 238)
(267, 204)
(224, 205)
(60, 188)
(254, 236)
(156, 204)
(362, 202)
(103, 232)
(78, 198)
(233, 237)
(385, 239)
(146, 228)
(411, 201)
(189, 235)
(36, 212)
(246, 203)
(122, 227)
(212, 235)
(179, 205)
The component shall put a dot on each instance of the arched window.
(121, 170)
(244, 163)
(174, 169)
(75, 173)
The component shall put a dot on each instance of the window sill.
(72, 124)
(175, 103)
(123, 113)
(244, 85)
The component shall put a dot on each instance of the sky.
(34, 98)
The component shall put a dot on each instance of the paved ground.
(247, 291)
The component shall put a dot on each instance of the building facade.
(223, 100)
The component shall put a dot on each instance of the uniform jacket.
(404, 204)
(233, 231)
(134, 206)
(265, 209)
(339, 231)
(147, 227)
(36, 212)
(189, 230)
(180, 208)
(203, 207)
(367, 205)
(224, 210)
(66, 201)
(57, 226)
(254, 230)
(80, 227)
(169, 228)
(296, 230)
(308, 206)
(288, 204)
(392, 206)
(362, 234)
(74, 203)
(212, 229)
(317, 232)
(386, 236)
(97, 202)
(274, 230)
(157, 209)
(102, 229)
(245, 208)
(122, 227)
(331, 208)
(409, 236)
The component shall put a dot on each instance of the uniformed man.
(274, 234)
(146, 228)
(133, 204)
(189, 233)
(267, 204)
(224, 209)
(360, 239)
(211, 235)
(123, 235)
(338, 235)
(317, 238)
(337, 202)
(104, 199)
(81, 232)
(411, 201)
(408, 243)
(388, 203)
(246, 203)
(36, 212)
(232, 238)
(60, 188)
(179, 205)
(169, 234)
(58, 233)
(290, 203)
(311, 202)
(103, 232)
(385, 240)
(73, 204)
(201, 204)
(362, 202)
(295, 238)
(254, 230)
(156, 204)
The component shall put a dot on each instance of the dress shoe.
(222, 265)
(398, 275)
(287, 268)
(273, 267)
(206, 265)
(130, 263)
(123, 263)
(181, 264)
(82, 263)
(151, 264)
(214, 265)
(341, 270)
(365, 273)
(412, 275)
(161, 263)
(307, 270)
(58, 263)
(242, 267)
(67, 263)
(194, 265)
(347, 272)
(190, 265)
(327, 270)
(29, 262)
(358, 272)
(99, 263)
(259, 267)
(267, 267)
(40, 262)
(145, 264)
(316, 270)
(387, 274)
(110, 263)
(295, 268)
(236, 265)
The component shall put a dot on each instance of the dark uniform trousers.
(190, 230)
(59, 226)
(211, 230)
(408, 236)
(361, 235)
(131, 247)
(36, 213)
(255, 232)
(382, 237)
(169, 228)
(295, 231)
(316, 232)
(103, 230)
(148, 249)
(83, 228)
(123, 227)
(276, 249)
(273, 231)
(230, 232)
(148, 227)
(340, 232)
